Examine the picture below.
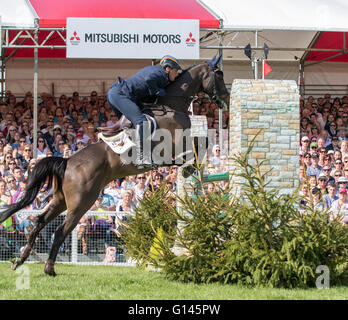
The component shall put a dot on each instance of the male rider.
(126, 95)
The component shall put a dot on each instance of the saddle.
(124, 123)
(121, 124)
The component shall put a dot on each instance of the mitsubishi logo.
(190, 41)
(74, 40)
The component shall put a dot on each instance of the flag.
(266, 68)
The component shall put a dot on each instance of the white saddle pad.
(122, 142)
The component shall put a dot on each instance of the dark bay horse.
(78, 180)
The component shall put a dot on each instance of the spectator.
(140, 188)
(26, 157)
(59, 148)
(317, 199)
(314, 168)
(312, 180)
(322, 181)
(333, 145)
(42, 147)
(307, 159)
(342, 183)
(67, 151)
(5, 196)
(304, 194)
(344, 148)
(12, 185)
(82, 230)
(322, 154)
(216, 155)
(80, 144)
(305, 144)
(102, 223)
(113, 189)
(126, 204)
(340, 206)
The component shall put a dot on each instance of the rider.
(125, 95)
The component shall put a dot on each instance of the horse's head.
(214, 84)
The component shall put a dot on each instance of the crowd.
(66, 125)
(324, 153)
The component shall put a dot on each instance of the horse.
(78, 180)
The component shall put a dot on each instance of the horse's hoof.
(16, 263)
(50, 272)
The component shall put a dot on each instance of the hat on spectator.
(314, 145)
(57, 126)
(343, 190)
(215, 147)
(67, 118)
(80, 140)
(334, 138)
(330, 152)
(72, 134)
(79, 134)
(322, 176)
(316, 190)
(342, 179)
(305, 138)
(315, 155)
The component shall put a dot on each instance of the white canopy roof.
(315, 15)
(17, 13)
(284, 25)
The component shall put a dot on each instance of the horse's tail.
(44, 170)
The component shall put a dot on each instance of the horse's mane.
(182, 77)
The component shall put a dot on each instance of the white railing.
(70, 254)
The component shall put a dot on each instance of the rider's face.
(172, 73)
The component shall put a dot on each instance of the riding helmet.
(169, 61)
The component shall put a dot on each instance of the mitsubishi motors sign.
(110, 38)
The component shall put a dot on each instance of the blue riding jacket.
(149, 81)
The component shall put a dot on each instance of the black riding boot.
(143, 154)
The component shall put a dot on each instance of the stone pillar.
(273, 107)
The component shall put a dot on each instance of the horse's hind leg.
(71, 221)
(52, 210)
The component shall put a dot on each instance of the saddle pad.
(119, 143)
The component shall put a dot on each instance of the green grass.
(129, 283)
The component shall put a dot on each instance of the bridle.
(214, 94)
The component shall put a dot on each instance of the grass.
(129, 283)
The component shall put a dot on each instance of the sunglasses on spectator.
(326, 170)
(22, 141)
(9, 181)
(142, 178)
(27, 150)
(41, 141)
(12, 163)
(337, 175)
(61, 143)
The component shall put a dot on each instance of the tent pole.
(35, 115)
(3, 83)
(220, 66)
(256, 71)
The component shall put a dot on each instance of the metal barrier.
(91, 244)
